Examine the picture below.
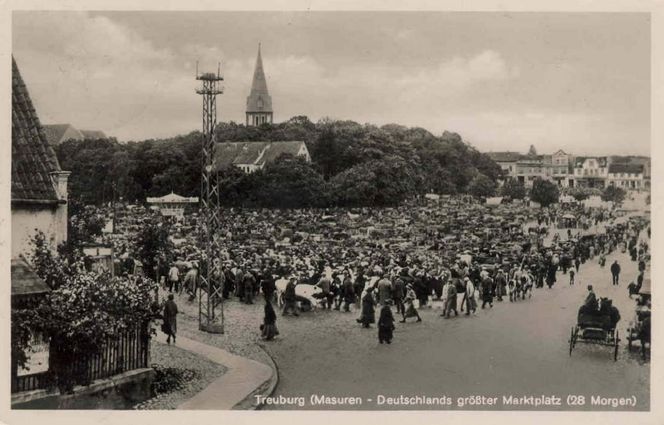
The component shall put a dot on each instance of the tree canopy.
(104, 170)
(544, 192)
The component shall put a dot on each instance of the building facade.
(259, 102)
(591, 172)
(38, 185)
(626, 176)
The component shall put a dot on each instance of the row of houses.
(566, 170)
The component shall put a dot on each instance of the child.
(571, 277)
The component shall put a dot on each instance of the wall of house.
(27, 220)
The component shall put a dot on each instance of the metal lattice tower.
(210, 300)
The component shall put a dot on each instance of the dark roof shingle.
(33, 159)
(626, 168)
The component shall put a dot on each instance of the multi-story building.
(527, 168)
(626, 176)
(591, 171)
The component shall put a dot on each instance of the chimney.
(60, 179)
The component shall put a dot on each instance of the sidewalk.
(243, 377)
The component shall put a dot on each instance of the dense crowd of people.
(455, 250)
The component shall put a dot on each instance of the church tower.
(259, 102)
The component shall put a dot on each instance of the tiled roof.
(274, 150)
(601, 160)
(256, 153)
(259, 100)
(626, 168)
(25, 281)
(33, 159)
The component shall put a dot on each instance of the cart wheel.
(615, 349)
(571, 341)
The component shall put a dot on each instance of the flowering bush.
(82, 310)
(91, 307)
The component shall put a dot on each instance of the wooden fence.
(128, 351)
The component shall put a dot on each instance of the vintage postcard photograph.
(330, 210)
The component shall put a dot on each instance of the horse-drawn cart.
(594, 329)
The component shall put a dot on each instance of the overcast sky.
(580, 82)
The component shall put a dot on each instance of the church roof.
(259, 100)
(33, 159)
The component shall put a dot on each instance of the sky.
(573, 81)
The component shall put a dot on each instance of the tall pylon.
(210, 300)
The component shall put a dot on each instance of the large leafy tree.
(544, 192)
(481, 186)
(104, 170)
(614, 194)
(513, 189)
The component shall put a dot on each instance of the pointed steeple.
(259, 99)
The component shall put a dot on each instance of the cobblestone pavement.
(197, 371)
(242, 322)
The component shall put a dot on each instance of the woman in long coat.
(269, 327)
(170, 325)
(385, 324)
(368, 315)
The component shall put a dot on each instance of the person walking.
(268, 285)
(469, 297)
(398, 290)
(170, 325)
(326, 295)
(410, 311)
(487, 291)
(348, 292)
(368, 315)
(191, 282)
(386, 324)
(571, 277)
(615, 272)
(290, 298)
(384, 289)
(269, 327)
(451, 298)
(174, 278)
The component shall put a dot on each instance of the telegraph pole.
(210, 300)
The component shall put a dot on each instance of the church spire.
(259, 101)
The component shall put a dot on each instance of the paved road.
(513, 349)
